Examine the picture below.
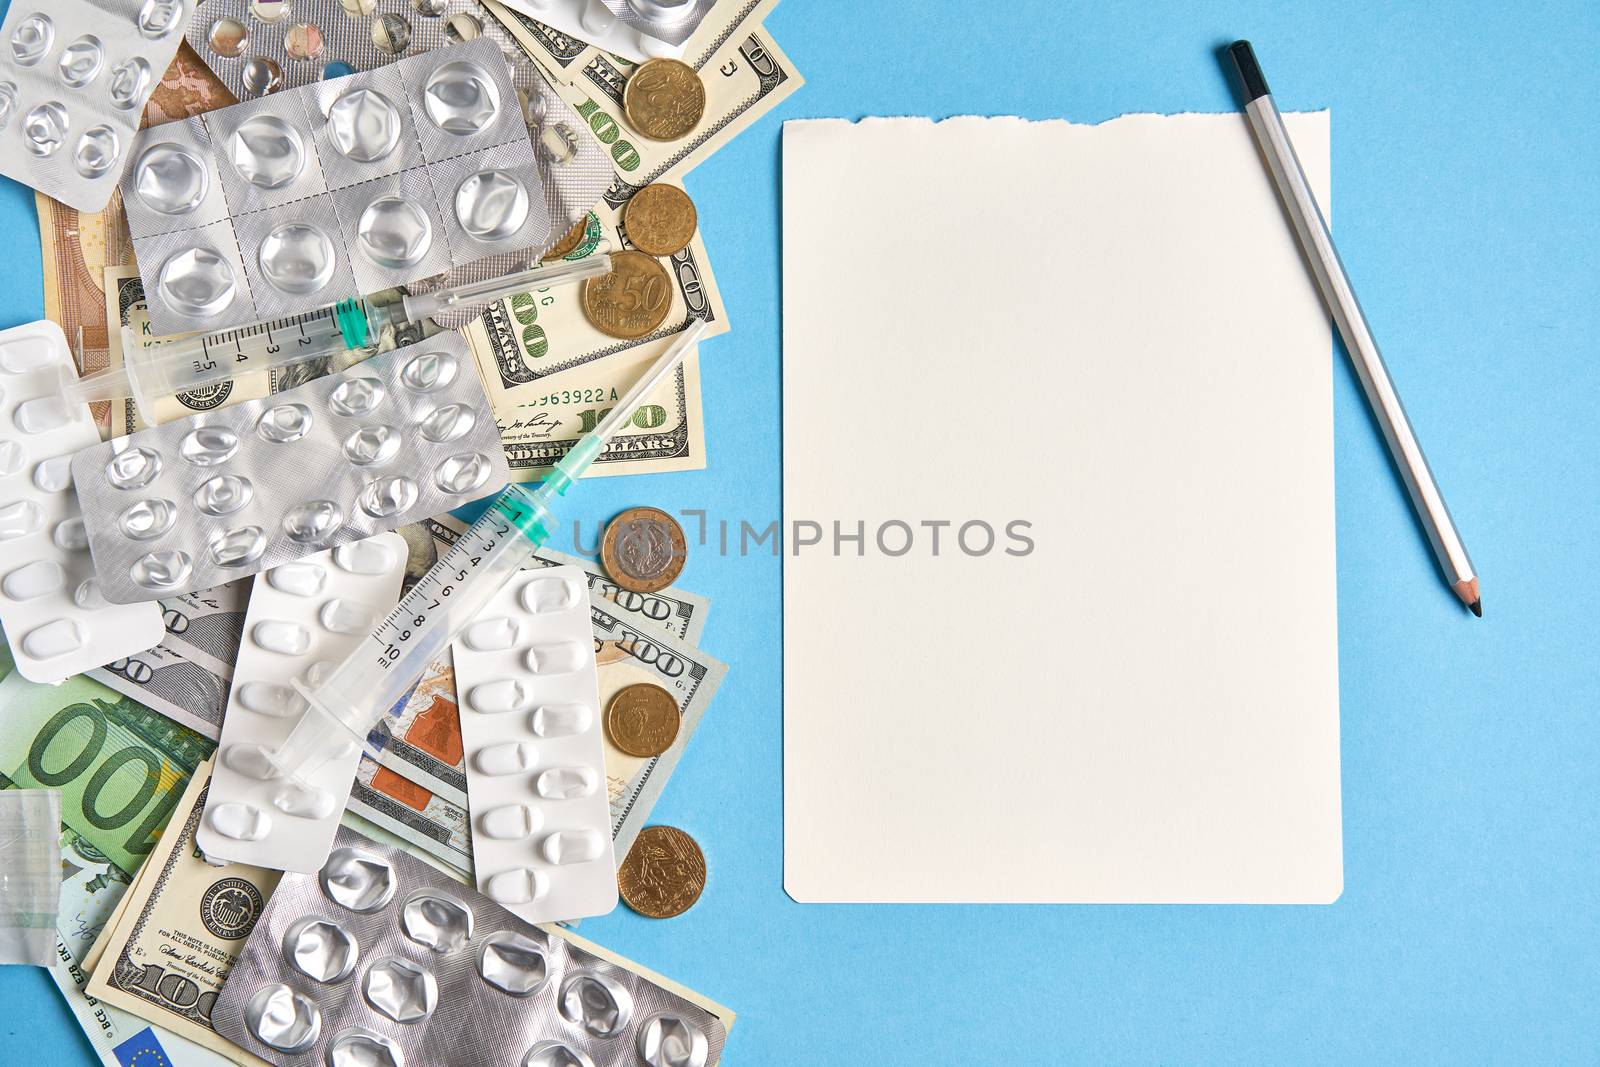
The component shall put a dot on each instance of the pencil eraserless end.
(1477, 608)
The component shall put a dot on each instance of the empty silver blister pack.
(261, 47)
(74, 77)
(296, 201)
(634, 29)
(380, 959)
(224, 494)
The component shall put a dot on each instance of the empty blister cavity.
(364, 557)
(267, 151)
(157, 19)
(19, 518)
(284, 423)
(303, 803)
(260, 75)
(12, 457)
(8, 101)
(393, 232)
(360, 1047)
(463, 473)
(283, 1019)
(133, 468)
(239, 547)
(197, 281)
(321, 950)
(97, 151)
(357, 397)
(129, 83)
(491, 635)
(297, 258)
(298, 579)
(664, 12)
(344, 616)
(223, 495)
(511, 822)
(33, 580)
(491, 205)
(542, 595)
(277, 635)
(358, 880)
(596, 1003)
(364, 125)
(501, 695)
(313, 522)
(436, 921)
(161, 570)
(566, 783)
(53, 475)
(44, 128)
(209, 446)
(250, 760)
(170, 178)
(510, 757)
(555, 1054)
(670, 1040)
(561, 720)
(88, 596)
(389, 495)
(448, 423)
(520, 885)
(270, 698)
(513, 963)
(81, 61)
(429, 371)
(400, 989)
(240, 822)
(32, 39)
(562, 657)
(461, 98)
(572, 846)
(372, 445)
(146, 520)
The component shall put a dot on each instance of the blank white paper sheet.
(1059, 600)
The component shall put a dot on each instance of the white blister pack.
(534, 755)
(634, 29)
(57, 622)
(304, 619)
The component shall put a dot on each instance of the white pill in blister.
(42, 414)
(561, 720)
(342, 615)
(572, 846)
(241, 822)
(365, 557)
(53, 639)
(12, 458)
(566, 783)
(597, 18)
(510, 822)
(505, 694)
(69, 534)
(561, 658)
(20, 518)
(491, 635)
(33, 580)
(305, 803)
(26, 354)
(249, 760)
(54, 474)
(544, 595)
(520, 885)
(275, 635)
(298, 579)
(510, 757)
(270, 698)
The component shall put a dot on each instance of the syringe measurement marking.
(392, 645)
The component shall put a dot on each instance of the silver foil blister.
(243, 41)
(290, 181)
(74, 78)
(634, 29)
(380, 959)
(224, 494)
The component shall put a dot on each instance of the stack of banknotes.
(148, 929)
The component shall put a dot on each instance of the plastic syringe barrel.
(420, 306)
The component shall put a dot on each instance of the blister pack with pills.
(633, 29)
(55, 618)
(74, 77)
(224, 494)
(304, 619)
(381, 959)
(259, 47)
(294, 202)
(534, 756)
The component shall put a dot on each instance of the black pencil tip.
(1477, 608)
(1250, 76)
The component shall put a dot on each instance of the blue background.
(1465, 167)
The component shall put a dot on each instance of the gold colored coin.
(643, 550)
(664, 99)
(642, 720)
(660, 219)
(572, 240)
(663, 874)
(632, 300)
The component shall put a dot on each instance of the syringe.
(206, 359)
(388, 663)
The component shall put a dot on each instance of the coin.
(663, 874)
(643, 550)
(632, 300)
(642, 720)
(660, 219)
(572, 240)
(664, 99)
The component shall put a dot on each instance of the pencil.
(1340, 297)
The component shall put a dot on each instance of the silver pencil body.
(1340, 298)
